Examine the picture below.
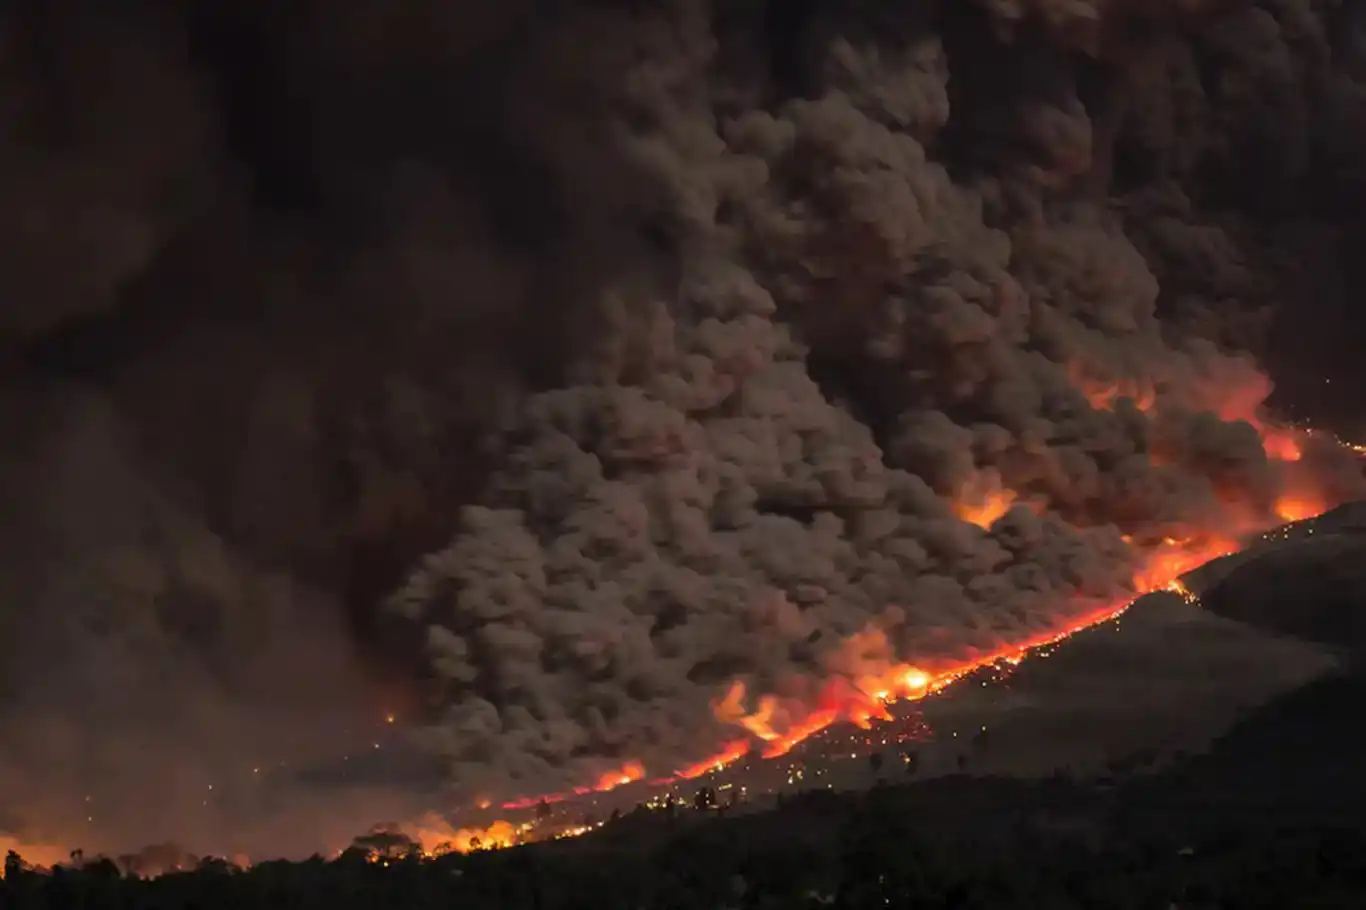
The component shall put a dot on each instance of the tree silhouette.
(214, 865)
(705, 798)
(355, 855)
(386, 841)
(102, 868)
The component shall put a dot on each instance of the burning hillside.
(1001, 442)
(618, 393)
(1158, 682)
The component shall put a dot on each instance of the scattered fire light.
(767, 726)
(984, 502)
(772, 727)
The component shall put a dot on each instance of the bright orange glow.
(628, 773)
(1282, 445)
(986, 513)
(1104, 394)
(1235, 398)
(38, 854)
(1167, 561)
(436, 837)
(872, 679)
(728, 755)
(984, 501)
(1178, 587)
(772, 726)
(1298, 508)
(864, 698)
(864, 676)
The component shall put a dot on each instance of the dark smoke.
(648, 343)
(266, 277)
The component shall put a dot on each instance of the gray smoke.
(265, 279)
(653, 350)
(766, 463)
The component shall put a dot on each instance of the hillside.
(1091, 786)
(1296, 760)
(1274, 795)
(1313, 588)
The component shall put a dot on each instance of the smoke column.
(540, 374)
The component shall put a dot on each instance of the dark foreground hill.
(1297, 760)
(1306, 580)
(1274, 815)
(1313, 589)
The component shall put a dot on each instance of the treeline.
(877, 856)
(1273, 816)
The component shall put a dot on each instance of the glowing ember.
(1178, 587)
(779, 726)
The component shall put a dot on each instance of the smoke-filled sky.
(536, 370)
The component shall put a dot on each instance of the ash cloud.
(543, 370)
(266, 276)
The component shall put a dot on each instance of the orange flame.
(863, 698)
(987, 511)
(38, 854)
(628, 773)
(1282, 445)
(777, 725)
(873, 679)
(729, 754)
(1298, 508)
(1104, 394)
(436, 837)
(984, 501)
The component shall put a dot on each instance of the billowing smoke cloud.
(265, 278)
(655, 350)
(864, 346)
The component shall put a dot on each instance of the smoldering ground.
(711, 316)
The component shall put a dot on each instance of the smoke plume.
(536, 375)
